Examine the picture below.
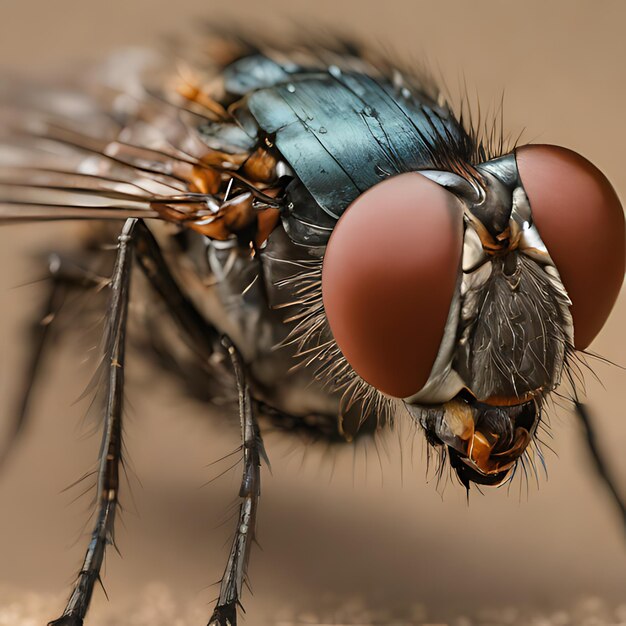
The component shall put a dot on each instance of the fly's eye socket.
(388, 279)
(581, 221)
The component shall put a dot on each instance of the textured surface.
(156, 605)
(355, 119)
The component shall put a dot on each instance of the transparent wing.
(117, 145)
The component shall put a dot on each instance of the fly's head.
(466, 296)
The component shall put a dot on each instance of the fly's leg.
(204, 339)
(137, 240)
(63, 277)
(201, 337)
(111, 447)
(598, 459)
(225, 612)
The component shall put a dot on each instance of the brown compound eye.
(581, 221)
(388, 279)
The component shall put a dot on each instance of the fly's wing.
(112, 149)
(227, 140)
(44, 158)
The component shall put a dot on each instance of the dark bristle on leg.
(592, 443)
(111, 447)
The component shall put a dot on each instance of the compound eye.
(388, 279)
(581, 221)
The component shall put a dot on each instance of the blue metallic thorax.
(340, 132)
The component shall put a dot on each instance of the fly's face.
(467, 299)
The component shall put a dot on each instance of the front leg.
(111, 446)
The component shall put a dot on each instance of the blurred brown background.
(345, 550)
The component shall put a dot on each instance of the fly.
(333, 242)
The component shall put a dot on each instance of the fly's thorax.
(261, 301)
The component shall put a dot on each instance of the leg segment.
(63, 277)
(137, 241)
(203, 338)
(111, 447)
(225, 612)
(596, 455)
